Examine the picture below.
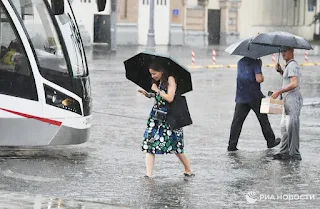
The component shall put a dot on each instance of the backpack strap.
(292, 60)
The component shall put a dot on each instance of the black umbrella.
(137, 71)
(248, 49)
(282, 39)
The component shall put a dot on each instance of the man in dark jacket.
(248, 97)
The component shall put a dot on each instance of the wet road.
(107, 171)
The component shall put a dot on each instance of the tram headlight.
(60, 100)
(54, 98)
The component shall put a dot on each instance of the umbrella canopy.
(282, 39)
(248, 49)
(137, 71)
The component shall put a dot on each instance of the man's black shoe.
(275, 143)
(232, 149)
(277, 156)
(295, 158)
(280, 156)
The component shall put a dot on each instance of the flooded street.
(107, 171)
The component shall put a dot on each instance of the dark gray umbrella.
(248, 49)
(282, 39)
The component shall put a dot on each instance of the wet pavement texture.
(108, 170)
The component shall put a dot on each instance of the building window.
(202, 2)
(145, 2)
(162, 2)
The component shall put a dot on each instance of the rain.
(108, 170)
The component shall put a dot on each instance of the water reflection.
(290, 173)
(63, 153)
(166, 193)
(46, 165)
(20, 200)
(258, 173)
(41, 203)
(58, 203)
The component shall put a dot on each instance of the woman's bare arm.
(172, 86)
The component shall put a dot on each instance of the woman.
(158, 137)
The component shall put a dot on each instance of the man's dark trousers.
(240, 114)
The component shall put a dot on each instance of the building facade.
(240, 19)
(194, 22)
(94, 26)
(294, 16)
(176, 22)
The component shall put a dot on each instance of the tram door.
(18, 92)
(16, 77)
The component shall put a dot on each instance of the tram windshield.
(71, 35)
(47, 44)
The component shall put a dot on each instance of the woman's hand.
(155, 88)
(144, 93)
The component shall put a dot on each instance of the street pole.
(113, 26)
(151, 43)
(318, 12)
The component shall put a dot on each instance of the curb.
(195, 67)
(311, 104)
(215, 66)
(307, 64)
(232, 66)
(317, 63)
(271, 65)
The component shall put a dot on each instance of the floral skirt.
(160, 139)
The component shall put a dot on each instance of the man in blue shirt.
(248, 97)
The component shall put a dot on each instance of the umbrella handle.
(278, 60)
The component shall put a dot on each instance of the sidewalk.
(101, 59)
(203, 55)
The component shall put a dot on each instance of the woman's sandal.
(189, 174)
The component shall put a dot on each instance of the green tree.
(316, 19)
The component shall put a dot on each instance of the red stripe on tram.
(45, 120)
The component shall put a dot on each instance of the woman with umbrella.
(158, 137)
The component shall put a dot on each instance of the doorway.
(101, 29)
(214, 16)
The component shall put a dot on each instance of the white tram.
(44, 80)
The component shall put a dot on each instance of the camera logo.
(251, 197)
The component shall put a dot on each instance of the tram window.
(16, 78)
(45, 41)
(72, 39)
